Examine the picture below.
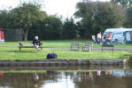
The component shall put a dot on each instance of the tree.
(25, 16)
(128, 21)
(124, 3)
(4, 19)
(85, 12)
(108, 15)
(96, 17)
(53, 27)
(70, 30)
(50, 28)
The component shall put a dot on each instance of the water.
(63, 79)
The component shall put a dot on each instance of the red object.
(1, 34)
(109, 72)
(109, 36)
(1, 74)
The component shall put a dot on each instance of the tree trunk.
(26, 34)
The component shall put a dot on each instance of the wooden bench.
(22, 46)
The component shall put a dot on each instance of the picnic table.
(76, 45)
(88, 46)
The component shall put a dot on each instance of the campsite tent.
(120, 35)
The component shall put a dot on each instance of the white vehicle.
(119, 35)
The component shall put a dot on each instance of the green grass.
(23, 71)
(59, 44)
(13, 53)
(45, 71)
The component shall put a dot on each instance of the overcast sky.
(64, 8)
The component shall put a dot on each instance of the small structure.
(88, 46)
(1, 35)
(119, 35)
(75, 45)
(13, 34)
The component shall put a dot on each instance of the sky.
(64, 8)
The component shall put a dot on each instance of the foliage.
(70, 30)
(25, 17)
(96, 17)
(85, 12)
(124, 3)
(4, 19)
(128, 21)
(127, 4)
(50, 28)
(53, 27)
(108, 15)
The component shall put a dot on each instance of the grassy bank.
(12, 52)
(60, 44)
(45, 71)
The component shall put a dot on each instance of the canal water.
(67, 79)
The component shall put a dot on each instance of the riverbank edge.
(62, 63)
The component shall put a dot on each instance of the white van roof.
(118, 29)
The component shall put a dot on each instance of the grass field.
(10, 51)
(59, 44)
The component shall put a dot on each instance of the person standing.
(99, 37)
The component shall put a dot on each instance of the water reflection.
(56, 79)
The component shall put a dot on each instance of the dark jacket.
(36, 42)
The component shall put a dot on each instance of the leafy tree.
(85, 12)
(25, 16)
(4, 19)
(70, 30)
(50, 28)
(53, 27)
(128, 21)
(124, 3)
(108, 15)
(96, 17)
